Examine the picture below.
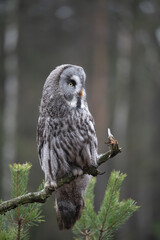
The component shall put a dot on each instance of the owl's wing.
(93, 139)
(40, 138)
(46, 142)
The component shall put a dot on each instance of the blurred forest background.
(118, 44)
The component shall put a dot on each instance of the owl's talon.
(77, 171)
(53, 184)
(50, 185)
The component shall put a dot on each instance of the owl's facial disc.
(71, 83)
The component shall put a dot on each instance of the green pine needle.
(22, 217)
(112, 214)
(19, 178)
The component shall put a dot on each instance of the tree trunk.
(10, 93)
(99, 85)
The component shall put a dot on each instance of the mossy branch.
(42, 195)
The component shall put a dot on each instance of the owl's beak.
(81, 93)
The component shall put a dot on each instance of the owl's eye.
(71, 83)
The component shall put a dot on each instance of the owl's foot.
(50, 184)
(77, 171)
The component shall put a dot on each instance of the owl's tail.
(69, 204)
(68, 213)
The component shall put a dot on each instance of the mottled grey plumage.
(66, 139)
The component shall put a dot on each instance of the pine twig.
(42, 195)
(105, 216)
(118, 219)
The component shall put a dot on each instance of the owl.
(66, 139)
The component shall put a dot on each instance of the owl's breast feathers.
(71, 139)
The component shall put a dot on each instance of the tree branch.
(42, 195)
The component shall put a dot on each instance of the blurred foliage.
(156, 230)
(16, 223)
(112, 214)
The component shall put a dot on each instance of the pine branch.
(107, 209)
(112, 213)
(119, 218)
(41, 196)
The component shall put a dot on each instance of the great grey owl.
(66, 139)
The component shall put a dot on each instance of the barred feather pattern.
(66, 139)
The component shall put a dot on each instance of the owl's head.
(65, 85)
(72, 85)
